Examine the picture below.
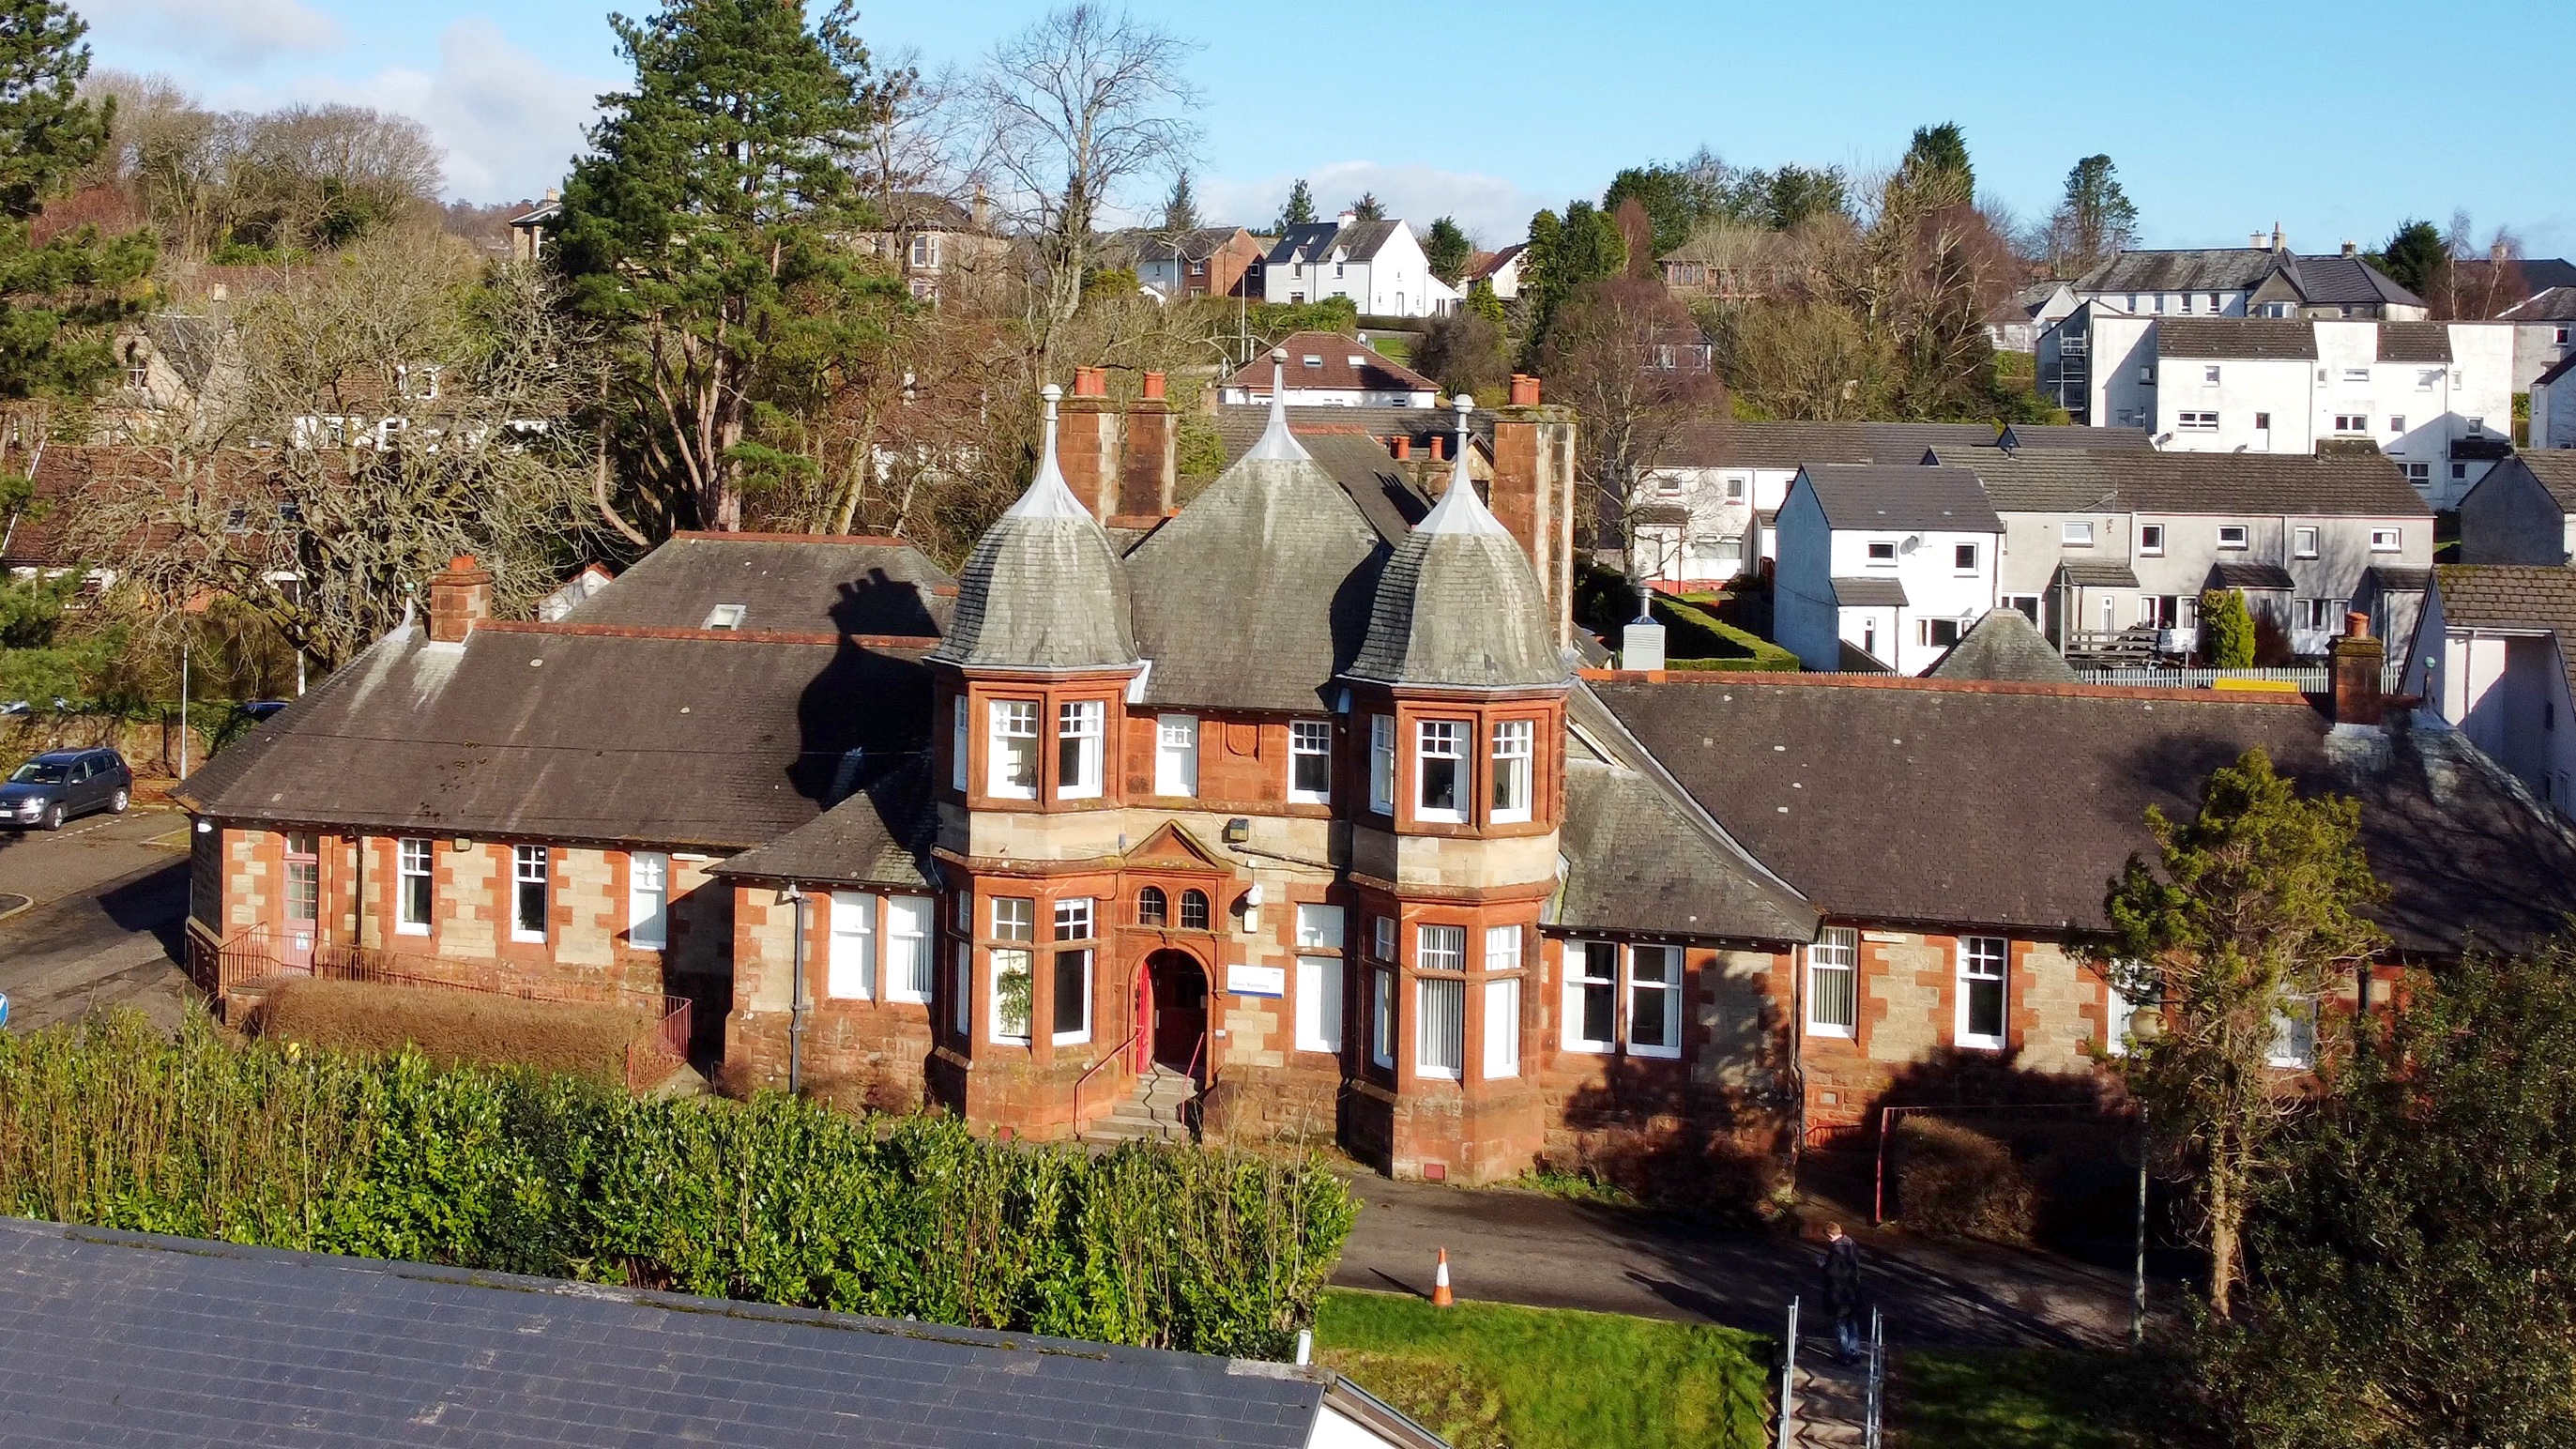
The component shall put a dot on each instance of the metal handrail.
(1119, 1053)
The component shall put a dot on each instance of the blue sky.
(2335, 120)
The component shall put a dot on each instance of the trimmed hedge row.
(774, 1201)
(1697, 639)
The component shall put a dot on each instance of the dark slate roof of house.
(1349, 444)
(1197, 244)
(2366, 485)
(1317, 240)
(2559, 369)
(2264, 576)
(1457, 605)
(1257, 593)
(133, 1338)
(577, 733)
(2513, 596)
(2098, 573)
(2197, 269)
(2236, 339)
(1642, 856)
(1777, 445)
(1043, 588)
(2003, 645)
(2012, 806)
(2414, 342)
(1853, 593)
(2337, 280)
(2391, 579)
(820, 583)
(1333, 369)
(881, 835)
(2551, 304)
(1900, 495)
(2554, 469)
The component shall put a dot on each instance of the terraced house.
(1287, 806)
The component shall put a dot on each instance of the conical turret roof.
(1458, 604)
(1043, 589)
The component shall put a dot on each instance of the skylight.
(726, 616)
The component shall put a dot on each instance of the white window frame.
(1011, 748)
(1319, 1004)
(957, 745)
(999, 1031)
(1007, 921)
(2294, 1036)
(850, 946)
(1503, 946)
(530, 865)
(1440, 1027)
(1660, 994)
(2396, 422)
(2076, 533)
(1872, 558)
(1055, 965)
(407, 869)
(1836, 950)
(910, 958)
(1502, 1034)
(2303, 541)
(1963, 558)
(2242, 536)
(1979, 960)
(1450, 736)
(2151, 540)
(648, 900)
(1514, 769)
(2387, 540)
(1382, 1017)
(1440, 948)
(1319, 927)
(1580, 961)
(1382, 763)
(1176, 756)
(1310, 739)
(2210, 373)
(1082, 724)
(2197, 422)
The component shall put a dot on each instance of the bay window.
(1176, 755)
(850, 955)
(1503, 1028)
(1078, 730)
(1981, 992)
(1014, 749)
(1010, 996)
(1310, 762)
(957, 744)
(1382, 1022)
(1071, 1019)
(1833, 982)
(1441, 1049)
(1513, 741)
(1382, 764)
(1440, 769)
(1441, 948)
(648, 900)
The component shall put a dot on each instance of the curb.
(24, 905)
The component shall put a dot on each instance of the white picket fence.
(2307, 681)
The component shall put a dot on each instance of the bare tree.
(391, 409)
(1635, 366)
(1076, 108)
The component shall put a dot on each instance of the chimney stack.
(1347, 217)
(1149, 454)
(1524, 390)
(980, 215)
(1533, 495)
(2498, 254)
(2358, 659)
(1401, 445)
(2254, 240)
(2351, 249)
(2279, 242)
(459, 599)
(1121, 461)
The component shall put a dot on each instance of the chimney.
(1149, 453)
(459, 599)
(2358, 659)
(1087, 442)
(2279, 242)
(1401, 445)
(2497, 253)
(1439, 448)
(1347, 217)
(1533, 495)
(981, 213)
(2254, 240)
(2351, 249)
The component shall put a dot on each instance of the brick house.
(1287, 802)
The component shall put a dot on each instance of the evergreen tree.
(1482, 300)
(1181, 207)
(2093, 220)
(702, 230)
(1368, 207)
(60, 301)
(1563, 254)
(2249, 920)
(1793, 194)
(1938, 157)
(1680, 199)
(1447, 249)
(1300, 210)
(2414, 258)
(2226, 630)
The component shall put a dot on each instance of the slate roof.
(2003, 645)
(2553, 304)
(569, 733)
(816, 583)
(2561, 368)
(1043, 588)
(2553, 469)
(1360, 241)
(2358, 485)
(2236, 339)
(1852, 593)
(2197, 269)
(1350, 444)
(1897, 495)
(132, 1338)
(1457, 605)
(1642, 856)
(880, 836)
(1946, 803)
(2538, 274)
(1727, 443)
(2513, 596)
(2261, 576)
(1333, 370)
(2391, 579)
(1258, 592)
(2341, 280)
(2414, 341)
(1197, 244)
(2098, 573)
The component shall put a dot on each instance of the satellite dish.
(1912, 542)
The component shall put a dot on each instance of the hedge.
(1697, 639)
(774, 1201)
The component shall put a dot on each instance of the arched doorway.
(1172, 1013)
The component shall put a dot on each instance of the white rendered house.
(2490, 657)
(1894, 561)
(1377, 264)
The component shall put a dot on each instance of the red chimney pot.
(1091, 382)
(1402, 446)
(1153, 386)
(1524, 390)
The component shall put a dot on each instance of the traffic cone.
(1441, 1297)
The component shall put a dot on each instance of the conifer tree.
(1300, 210)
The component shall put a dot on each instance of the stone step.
(1125, 1129)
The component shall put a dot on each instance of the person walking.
(1840, 1263)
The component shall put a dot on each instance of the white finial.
(1460, 510)
(1276, 441)
(1049, 496)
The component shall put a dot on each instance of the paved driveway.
(1514, 1246)
(107, 896)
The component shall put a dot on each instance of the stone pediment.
(1173, 849)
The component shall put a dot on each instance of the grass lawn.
(1485, 1375)
(2020, 1399)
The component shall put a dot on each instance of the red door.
(1180, 1012)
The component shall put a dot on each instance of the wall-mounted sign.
(1244, 980)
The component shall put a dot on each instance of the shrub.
(775, 1201)
(2226, 630)
(1697, 639)
(1952, 1181)
(453, 1028)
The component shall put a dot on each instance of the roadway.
(104, 897)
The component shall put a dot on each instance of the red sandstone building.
(1290, 807)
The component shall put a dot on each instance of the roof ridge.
(2227, 698)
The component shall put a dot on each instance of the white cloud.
(230, 32)
(1494, 211)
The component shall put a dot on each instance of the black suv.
(59, 784)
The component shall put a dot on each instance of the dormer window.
(725, 616)
(1312, 360)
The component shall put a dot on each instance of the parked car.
(260, 709)
(60, 784)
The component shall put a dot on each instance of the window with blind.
(1439, 1048)
(1176, 755)
(1319, 1003)
(907, 948)
(648, 900)
(1833, 982)
(1503, 1027)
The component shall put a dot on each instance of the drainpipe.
(796, 998)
